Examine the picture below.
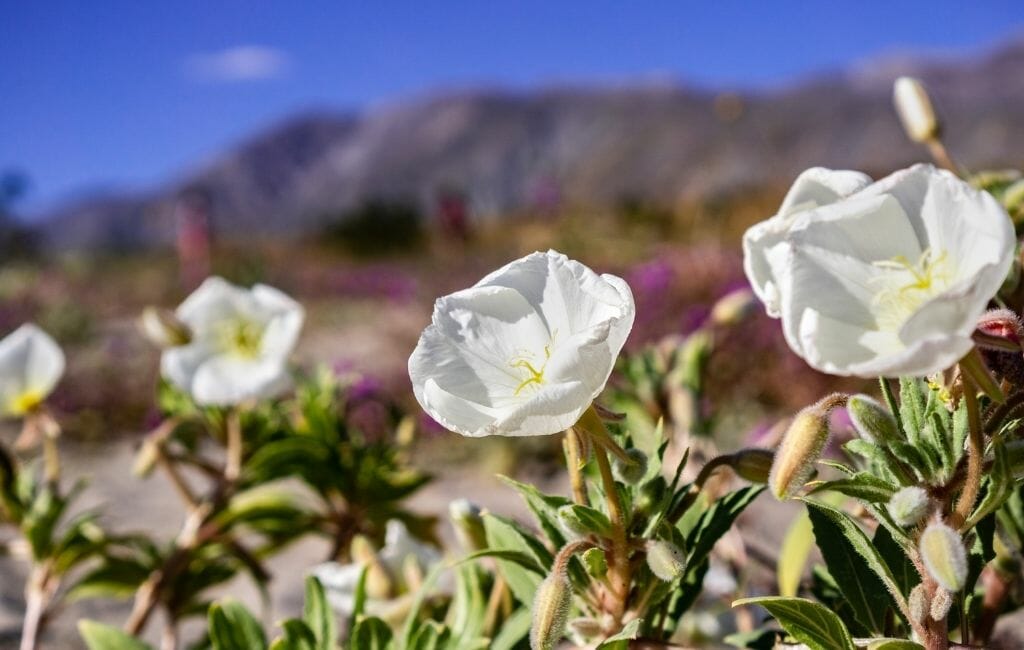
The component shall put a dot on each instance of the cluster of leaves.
(872, 563)
(241, 519)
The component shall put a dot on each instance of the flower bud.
(651, 494)
(753, 465)
(163, 328)
(733, 307)
(630, 472)
(551, 606)
(942, 600)
(943, 554)
(1002, 326)
(917, 603)
(915, 110)
(666, 560)
(801, 448)
(909, 506)
(468, 524)
(872, 421)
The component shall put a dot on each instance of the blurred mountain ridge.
(583, 146)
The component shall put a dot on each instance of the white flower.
(240, 344)
(31, 364)
(523, 352)
(340, 580)
(888, 281)
(815, 187)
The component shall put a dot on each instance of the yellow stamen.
(243, 338)
(909, 285)
(535, 376)
(25, 402)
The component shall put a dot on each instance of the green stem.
(575, 464)
(975, 456)
(618, 563)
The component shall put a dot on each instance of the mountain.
(584, 146)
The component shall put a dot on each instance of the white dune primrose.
(239, 343)
(887, 280)
(523, 352)
(31, 364)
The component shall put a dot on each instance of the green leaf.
(862, 588)
(893, 644)
(903, 570)
(843, 539)
(296, 636)
(621, 640)
(514, 630)
(431, 635)
(594, 521)
(318, 616)
(232, 627)
(503, 534)
(115, 578)
(98, 636)
(717, 520)
(468, 610)
(861, 485)
(808, 622)
(525, 560)
(370, 634)
(796, 548)
(544, 508)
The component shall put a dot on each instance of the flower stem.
(618, 562)
(36, 600)
(233, 465)
(574, 463)
(975, 456)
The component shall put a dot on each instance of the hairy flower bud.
(942, 600)
(943, 554)
(753, 465)
(1002, 330)
(915, 110)
(917, 603)
(666, 560)
(801, 448)
(551, 606)
(630, 472)
(872, 421)
(733, 307)
(909, 506)
(163, 328)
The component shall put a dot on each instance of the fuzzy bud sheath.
(941, 603)
(801, 447)
(872, 421)
(633, 471)
(570, 523)
(553, 600)
(909, 506)
(666, 560)
(917, 603)
(943, 554)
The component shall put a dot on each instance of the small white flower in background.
(31, 364)
(400, 548)
(888, 281)
(523, 352)
(240, 343)
(915, 109)
(815, 187)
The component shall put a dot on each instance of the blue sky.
(128, 94)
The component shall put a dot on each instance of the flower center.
(906, 285)
(242, 338)
(25, 402)
(533, 376)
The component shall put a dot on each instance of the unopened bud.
(942, 600)
(163, 328)
(872, 421)
(666, 560)
(651, 495)
(753, 465)
(1013, 198)
(943, 554)
(801, 448)
(551, 606)
(733, 307)
(632, 471)
(468, 524)
(909, 506)
(915, 110)
(917, 603)
(1002, 327)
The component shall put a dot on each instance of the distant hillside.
(575, 145)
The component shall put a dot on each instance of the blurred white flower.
(400, 549)
(888, 281)
(31, 364)
(523, 352)
(240, 343)
(915, 109)
(813, 188)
